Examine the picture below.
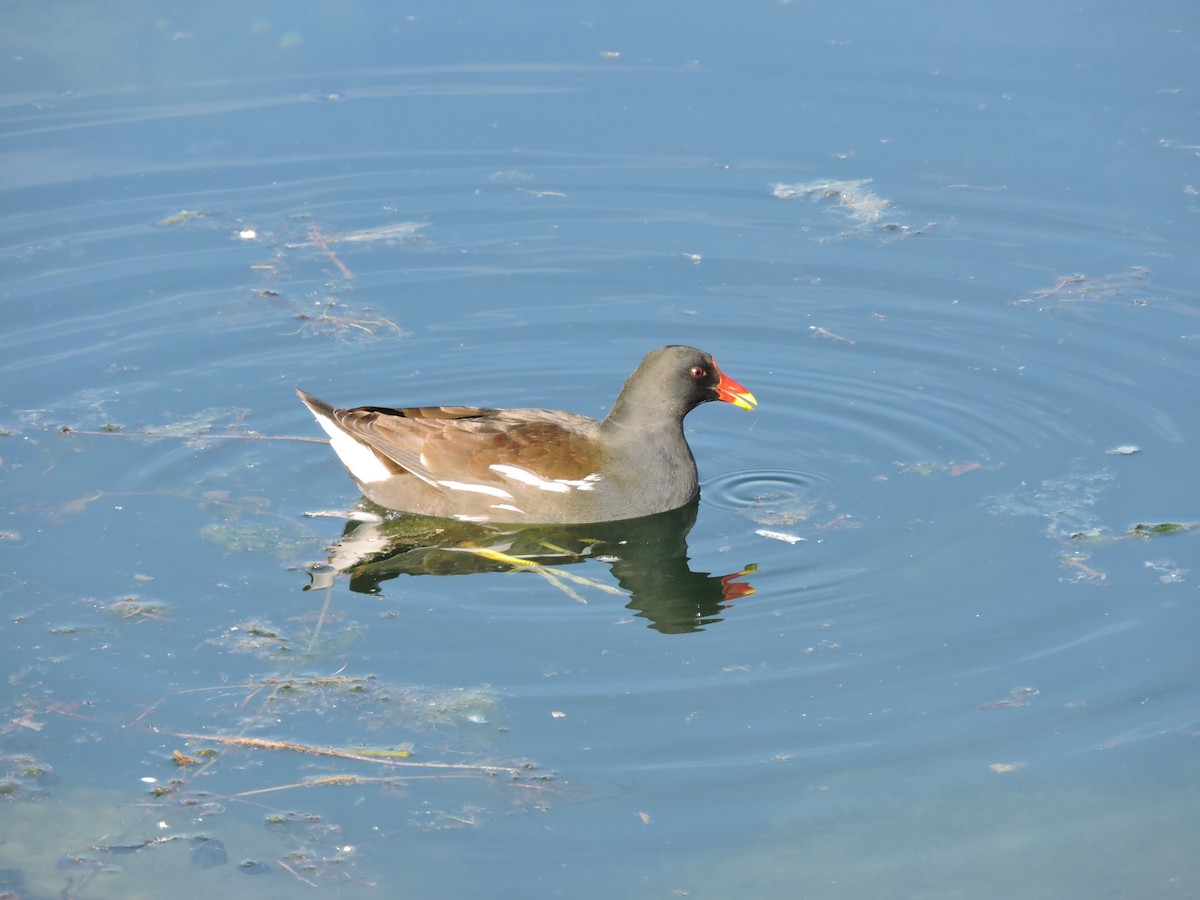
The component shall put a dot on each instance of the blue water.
(951, 249)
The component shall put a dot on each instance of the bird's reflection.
(648, 558)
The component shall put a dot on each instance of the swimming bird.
(536, 466)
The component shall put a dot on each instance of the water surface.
(952, 251)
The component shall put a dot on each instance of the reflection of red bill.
(733, 590)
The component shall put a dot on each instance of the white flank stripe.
(477, 489)
(583, 484)
(556, 485)
(509, 507)
(355, 455)
(516, 473)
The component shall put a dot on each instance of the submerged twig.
(338, 780)
(254, 743)
(296, 874)
(316, 633)
(314, 234)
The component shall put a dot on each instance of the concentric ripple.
(768, 496)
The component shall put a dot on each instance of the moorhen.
(536, 466)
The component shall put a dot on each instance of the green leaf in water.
(1141, 530)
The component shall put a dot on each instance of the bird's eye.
(698, 372)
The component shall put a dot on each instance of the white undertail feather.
(363, 463)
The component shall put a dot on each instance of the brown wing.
(459, 443)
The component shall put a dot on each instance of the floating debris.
(1006, 768)
(208, 852)
(1080, 288)
(74, 863)
(305, 866)
(540, 194)
(183, 760)
(184, 215)
(821, 646)
(399, 231)
(1020, 696)
(1086, 572)
(1099, 536)
(315, 236)
(1169, 572)
(784, 536)
(197, 425)
(786, 506)
(1146, 531)
(1066, 503)
(1123, 450)
(510, 176)
(135, 607)
(851, 198)
(340, 321)
(25, 778)
(925, 469)
(820, 331)
(283, 541)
